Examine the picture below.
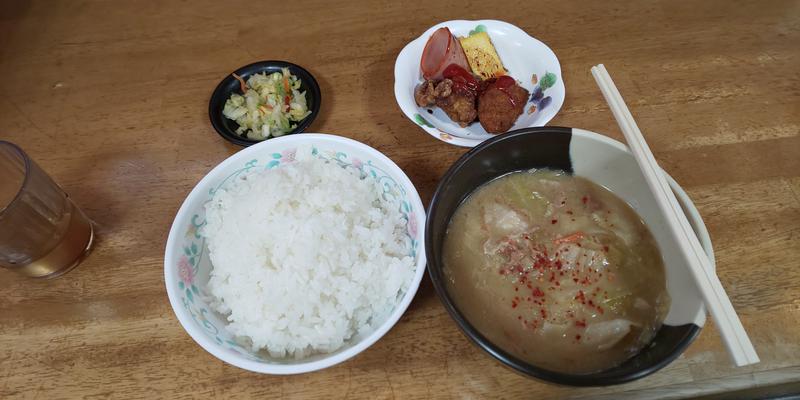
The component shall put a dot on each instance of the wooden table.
(111, 99)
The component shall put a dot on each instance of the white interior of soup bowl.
(187, 265)
(616, 169)
(523, 56)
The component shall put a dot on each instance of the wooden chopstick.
(733, 334)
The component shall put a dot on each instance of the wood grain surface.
(110, 97)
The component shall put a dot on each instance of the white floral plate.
(187, 265)
(528, 60)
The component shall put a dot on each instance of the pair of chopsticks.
(714, 296)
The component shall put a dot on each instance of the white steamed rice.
(305, 257)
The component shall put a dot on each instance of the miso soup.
(556, 270)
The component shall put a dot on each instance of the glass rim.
(26, 162)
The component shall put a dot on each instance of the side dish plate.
(527, 60)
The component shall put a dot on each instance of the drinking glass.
(42, 233)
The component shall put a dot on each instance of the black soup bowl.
(605, 162)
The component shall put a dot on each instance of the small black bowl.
(582, 153)
(227, 128)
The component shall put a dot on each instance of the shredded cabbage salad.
(271, 105)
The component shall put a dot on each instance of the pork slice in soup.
(556, 270)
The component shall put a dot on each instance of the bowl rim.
(691, 330)
(220, 94)
(422, 39)
(201, 187)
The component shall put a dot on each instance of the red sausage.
(441, 50)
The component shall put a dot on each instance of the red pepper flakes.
(554, 221)
(516, 289)
(605, 248)
(577, 337)
(591, 303)
(519, 317)
(543, 312)
(580, 324)
(575, 280)
(585, 199)
(600, 309)
(569, 212)
(581, 297)
(558, 283)
(537, 292)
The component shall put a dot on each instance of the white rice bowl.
(255, 314)
(305, 257)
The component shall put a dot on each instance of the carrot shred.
(572, 238)
(242, 84)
